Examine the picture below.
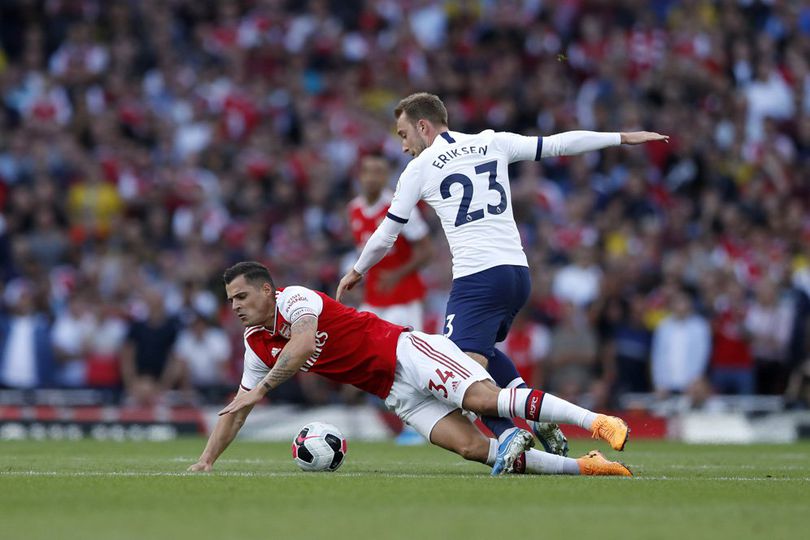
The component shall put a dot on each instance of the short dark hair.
(255, 273)
(422, 105)
(377, 154)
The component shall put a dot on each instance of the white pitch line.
(722, 479)
(238, 474)
(133, 474)
(738, 467)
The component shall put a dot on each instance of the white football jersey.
(464, 177)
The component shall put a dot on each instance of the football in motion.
(319, 447)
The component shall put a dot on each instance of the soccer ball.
(319, 447)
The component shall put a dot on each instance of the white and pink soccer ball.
(319, 447)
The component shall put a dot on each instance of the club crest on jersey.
(284, 331)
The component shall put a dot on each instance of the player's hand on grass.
(243, 400)
(200, 467)
(348, 282)
(641, 137)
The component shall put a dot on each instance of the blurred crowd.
(146, 145)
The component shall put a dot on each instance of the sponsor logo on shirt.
(275, 350)
(294, 299)
(320, 342)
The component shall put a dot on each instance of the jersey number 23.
(464, 215)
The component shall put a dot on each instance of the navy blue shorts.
(483, 305)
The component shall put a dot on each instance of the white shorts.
(431, 378)
(410, 314)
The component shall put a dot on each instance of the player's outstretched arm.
(375, 249)
(224, 433)
(294, 355)
(572, 143)
(641, 137)
(347, 283)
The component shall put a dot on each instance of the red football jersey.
(351, 347)
(731, 347)
(364, 220)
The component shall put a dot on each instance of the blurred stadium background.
(146, 145)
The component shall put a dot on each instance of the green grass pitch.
(107, 490)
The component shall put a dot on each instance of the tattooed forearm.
(285, 367)
(295, 353)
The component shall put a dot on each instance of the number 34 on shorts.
(439, 388)
(435, 365)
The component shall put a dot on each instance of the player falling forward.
(425, 379)
(464, 177)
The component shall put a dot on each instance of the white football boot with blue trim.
(514, 444)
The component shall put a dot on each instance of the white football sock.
(540, 406)
(493, 452)
(512, 402)
(560, 411)
(538, 462)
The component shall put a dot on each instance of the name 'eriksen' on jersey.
(446, 157)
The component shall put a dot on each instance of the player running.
(394, 291)
(425, 379)
(464, 177)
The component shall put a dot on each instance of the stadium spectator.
(72, 333)
(26, 354)
(104, 347)
(47, 242)
(732, 364)
(631, 347)
(6, 261)
(146, 352)
(93, 205)
(573, 354)
(681, 346)
(578, 282)
(799, 296)
(769, 322)
(199, 361)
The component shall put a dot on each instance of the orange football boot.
(611, 429)
(595, 464)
